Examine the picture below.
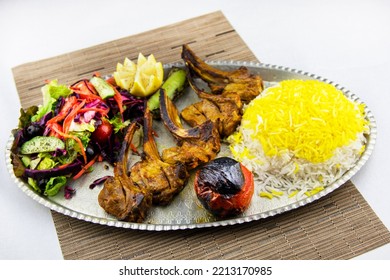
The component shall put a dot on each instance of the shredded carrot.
(74, 138)
(69, 103)
(88, 97)
(85, 168)
(53, 131)
(85, 90)
(64, 165)
(111, 81)
(118, 99)
(70, 117)
(104, 112)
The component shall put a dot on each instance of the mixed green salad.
(75, 127)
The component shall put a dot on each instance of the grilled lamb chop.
(163, 180)
(229, 90)
(196, 146)
(239, 81)
(119, 196)
(225, 107)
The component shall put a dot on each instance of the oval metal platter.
(186, 212)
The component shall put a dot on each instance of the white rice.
(286, 174)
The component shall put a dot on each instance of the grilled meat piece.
(239, 81)
(225, 107)
(229, 90)
(163, 180)
(119, 196)
(196, 146)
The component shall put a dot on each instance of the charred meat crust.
(196, 146)
(153, 174)
(229, 91)
(119, 196)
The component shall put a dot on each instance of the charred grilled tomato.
(224, 187)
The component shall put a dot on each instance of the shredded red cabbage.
(72, 168)
(98, 182)
(69, 192)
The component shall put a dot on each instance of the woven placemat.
(338, 226)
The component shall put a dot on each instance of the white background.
(344, 41)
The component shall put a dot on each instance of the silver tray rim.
(371, 140)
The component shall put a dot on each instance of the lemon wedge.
(149, 76)
(141, 79)
(125, 73)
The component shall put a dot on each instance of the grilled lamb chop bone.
(197, 145)
(239, 81)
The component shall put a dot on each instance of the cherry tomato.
(102, 133)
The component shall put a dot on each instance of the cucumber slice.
(41, 144)
(102, 87)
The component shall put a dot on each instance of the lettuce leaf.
(118, 124)
(56, 91)
(34, 185)
(82, 126)
(50, 92)
(26, 115)
(46, 163)
(84, 136)
(54, 185)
